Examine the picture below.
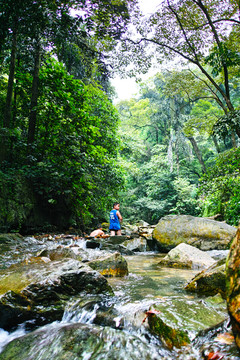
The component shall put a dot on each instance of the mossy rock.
(113, 265)
(168, 335)
(39, 291)
(187, 256)
(233, 286)
(10, 238)
(211, 281)
(203, 233)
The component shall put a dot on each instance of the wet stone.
(233, 286)
(170, 336)
(110, 265)
(210, 281)
(40, 291)
(81, 341)
(187, 256)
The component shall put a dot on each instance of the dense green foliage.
(59, 137)
(186, 123)
(220, 187)
(71, 165)
(57, 125)
(175, 163)
(161, 171)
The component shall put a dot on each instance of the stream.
(84, 331)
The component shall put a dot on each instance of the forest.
(67, 151)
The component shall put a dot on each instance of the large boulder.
(187, 256)
(203, 233)
(210, 281)
(39, 291)
(233, 286)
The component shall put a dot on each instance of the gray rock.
(40, 291)
(138, 244)
(58, 253)
(211, 281)
(187, 256)
(113, 265)
(78, 341)
(202, 233)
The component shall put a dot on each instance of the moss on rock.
(111, 265)
(169, 336)
(233, 286)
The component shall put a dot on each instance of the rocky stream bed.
(70, 297)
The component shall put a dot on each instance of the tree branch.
(215, 96)
(215, 22)
(195, 62)
(215, 34)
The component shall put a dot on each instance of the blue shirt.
(114, 221)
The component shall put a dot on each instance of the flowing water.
(117, 327)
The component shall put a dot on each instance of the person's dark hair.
(116, 203)
(99, 226)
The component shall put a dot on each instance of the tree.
(40, 26)
(71, 169)
(199, 33)
(220, 187)
(59, 133)
(160, 171)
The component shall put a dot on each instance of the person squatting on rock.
(98, 232)
(115, 219)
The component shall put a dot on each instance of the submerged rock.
(12, 249)
(210, 281)
(233, 286)
(202, 233)
(110, 265)
(116, 247)
(40, 291)
(81, 341)
(59, 253)
(217, 342)
(187, 256)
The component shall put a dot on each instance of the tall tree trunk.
(4, 29)
(14, 110)
(4, 135)
(170, 153)
(8, 104)
(233, 138)
(34, 97)
(216, 144)
(197, 152)
(156, 132)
